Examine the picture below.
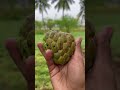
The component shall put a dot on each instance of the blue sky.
(52, 13)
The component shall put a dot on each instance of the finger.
(48, 55)
(14, 52)
(49, 60)
(30, 61)
(53, 69)
(104, 36)
(30, 68)
(103, 54)
(12, 48)
(40, 46)
(109, 31)
(78, 51)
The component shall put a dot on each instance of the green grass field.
(42, 79)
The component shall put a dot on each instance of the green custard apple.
(62, 44)
(90, 46)
(26, 39)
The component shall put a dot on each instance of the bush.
(67, 23)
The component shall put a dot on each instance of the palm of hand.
(70, 75)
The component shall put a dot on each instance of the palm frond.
(53, 1)
(63, 4)
(43, 5)
(36, 5)
(82, 9)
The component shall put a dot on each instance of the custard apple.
(62, 44)
(90, 45)
(26, 39)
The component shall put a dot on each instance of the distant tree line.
(63, 5)
(66, 24)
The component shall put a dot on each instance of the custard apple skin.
(90, 46)
(26, 39)
(62, 44)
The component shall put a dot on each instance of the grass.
(42, 79)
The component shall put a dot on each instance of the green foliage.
(82, 10)
(67, 23)
(63, 4)
(50, 23)
(42, 5)
(38, 25)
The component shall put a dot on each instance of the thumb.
(78, 50)
(78, 45)
(104, 36)
(48, 55)
(30, 68)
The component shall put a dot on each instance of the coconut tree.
(82, 10)
(42, 5)
(63, 4)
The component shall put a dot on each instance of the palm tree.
(63, 4)
(82, 10)
(43, 5)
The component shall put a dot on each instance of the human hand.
(25, 66)
(70, 76)
(101, 76)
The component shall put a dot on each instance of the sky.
(53, 14)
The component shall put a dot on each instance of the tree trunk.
(63, 13)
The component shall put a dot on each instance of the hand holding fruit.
(25, 66)
(70, 76)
